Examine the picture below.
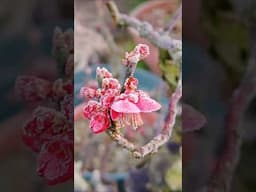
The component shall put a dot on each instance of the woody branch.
(243, 95)
(166, 131)
(146, 30)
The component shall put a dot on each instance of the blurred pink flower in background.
(49, 130)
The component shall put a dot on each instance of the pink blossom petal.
(125, 106)
(192, 120)
(114, 115)
(99, 123)
(146, 104)
(90, 109)
(143, 50)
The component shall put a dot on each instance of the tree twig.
(166, 131)
(146, 30)
(173, 21)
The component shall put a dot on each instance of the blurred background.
(100, 164)
(26, 33)
(218, 80)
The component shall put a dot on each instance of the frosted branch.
(173, 21)
(146, 31)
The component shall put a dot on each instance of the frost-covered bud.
(143, 50)
(32, 88)
(110, 83)
(102, 73)
(88, 92)
(131, 84)
(140, 52)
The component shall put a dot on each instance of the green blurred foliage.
(135, 3)
(228, 38)
(173, 175)
(170, 70)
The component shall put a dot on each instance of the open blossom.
(127, 107)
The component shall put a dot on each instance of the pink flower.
(98, 116)
(108, 96)
(127, 107)
(100, 122)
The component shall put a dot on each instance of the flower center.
(130, 119)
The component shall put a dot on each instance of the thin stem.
(173, 21)
(130, 69)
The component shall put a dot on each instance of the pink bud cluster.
(111, 104)
(49, 131)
